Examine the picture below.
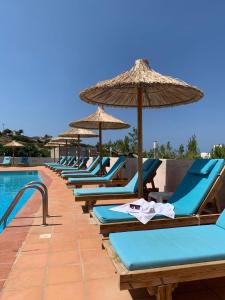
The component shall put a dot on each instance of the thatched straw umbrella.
(54, 146)
(65, 142)
(13, 145)
(78, 133)
(141, 87)
(100, 120)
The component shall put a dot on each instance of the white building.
(205, 155)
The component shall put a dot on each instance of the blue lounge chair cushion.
(105, 215)
(24, 160)
(193, 189)
(74, 167)
(87, 179)
(186, 200)
(77, 172)
(68, 173)
(102, 191)
(171, 246)
(105, 161)
(107, 177)
(148, 167)
(203, 166)
(221, 220)
(6, 160)
(56, 163)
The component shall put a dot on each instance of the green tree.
(122, 146)
(166, 151)
(19, 132)
(218, 151)
(7, 131)
(192, 148)
(133, 140)
(181, 151)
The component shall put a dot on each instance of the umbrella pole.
(59, 151)
(78, 152)
(13, 156)
(140, 143)
(66, 149)
(54, 153)
(100, 146)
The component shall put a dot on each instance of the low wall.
(169, 174)
(32, 161)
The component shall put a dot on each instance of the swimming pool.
(10, 183)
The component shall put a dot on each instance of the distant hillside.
(33, 146)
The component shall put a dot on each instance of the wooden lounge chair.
(70, 173)
(161, 259)
(193, 195)
(59, 162)
(100, 180)
(68, 162)
(7, 161)
(129, 191)
(24, 161)
(105, 162)
(74, 167)
(63, 162)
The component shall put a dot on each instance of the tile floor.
(65, 260)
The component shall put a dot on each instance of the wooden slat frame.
(112, 182)
(79, 184)
(198, 218)
(90, 200)
(163, 278)
(107, 228)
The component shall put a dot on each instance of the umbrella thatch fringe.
(157, 90)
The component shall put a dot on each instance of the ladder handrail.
(45, 189)
(35, 185)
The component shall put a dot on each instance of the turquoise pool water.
(10, 183)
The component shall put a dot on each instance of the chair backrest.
(58, 160)
(66, 161)
(105, 161)
(93, 164)
(62, 159)
(115, 168)
(83, 162)
(221, 220)
(149, 167)
(7, 160)
(24, 160)
(71, 160)
(196, 185)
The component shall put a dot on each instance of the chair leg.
(217, 204)
(163, 292)
(89, 204)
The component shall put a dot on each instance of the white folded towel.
(144, 211)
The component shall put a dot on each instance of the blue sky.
(52, 49)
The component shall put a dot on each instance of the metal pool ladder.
(41, 187)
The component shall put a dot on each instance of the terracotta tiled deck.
(64, 260)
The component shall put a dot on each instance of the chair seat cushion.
(80, 176)
(66, 173)
(171, 246)
(193, 189)
(101, 191)
(87, 179)
(105, 215)
(203, 166)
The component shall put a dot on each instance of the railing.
(31, 185)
